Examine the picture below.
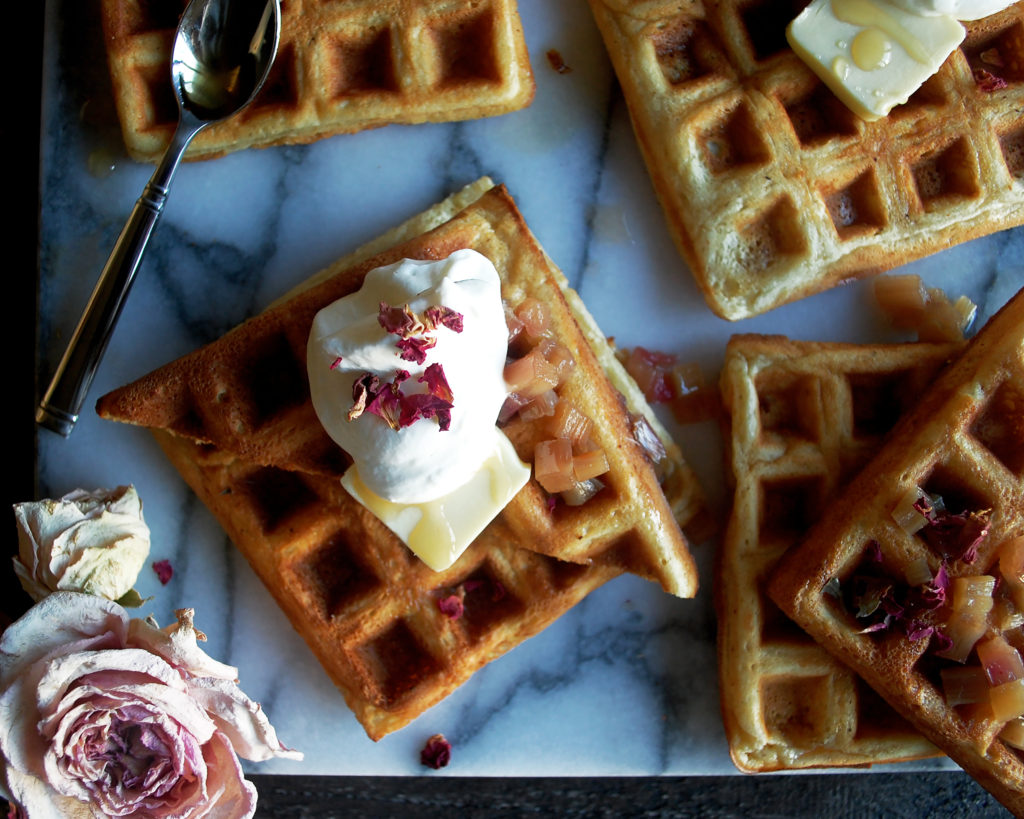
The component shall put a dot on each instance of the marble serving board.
(623, 684)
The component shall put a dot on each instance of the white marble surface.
(625, 683)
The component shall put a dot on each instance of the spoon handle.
(59, 409)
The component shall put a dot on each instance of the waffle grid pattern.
(367, 608)
(342, 66)
(372, 614)
(247, 394)
(803, 418)
(772, 188)
(964, 441)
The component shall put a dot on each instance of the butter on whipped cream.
(873, 54)
(438, 480)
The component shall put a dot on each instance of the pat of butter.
(440, 530)
(871, 53)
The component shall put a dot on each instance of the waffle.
(341, 67)
(773, 189)
(964, 441)
(236, 420)
(802, 418)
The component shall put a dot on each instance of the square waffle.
(772, 188)
(236, 419)
(964, 443)
(342, 66)
(802, 418)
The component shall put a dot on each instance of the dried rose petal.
(436, 382)
(441, 316)
(364, 390)
(437, 753)
(954, 536)
(164, 571)
(556, 62)
(415, 348)
(987, 81)
(451, 606)
(401, 321)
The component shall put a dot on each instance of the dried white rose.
(94, 542)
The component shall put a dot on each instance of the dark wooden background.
(946, 794)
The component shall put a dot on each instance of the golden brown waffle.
(964, 441)
(772, 188)
(341, 67)
(236, 420)
(802, 418)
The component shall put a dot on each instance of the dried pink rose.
(104, 715)
(437, 752)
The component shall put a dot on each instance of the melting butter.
(869, 14)
(872, 55)
(440, 530)
(871, 49)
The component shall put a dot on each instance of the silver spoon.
(223, 50)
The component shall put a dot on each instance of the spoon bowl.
(222, 54)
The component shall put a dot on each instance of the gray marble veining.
(624, 683)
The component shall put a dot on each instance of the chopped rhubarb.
(652, 372)
(1011, 568)
(581, 492)
(902, 298)
(907, 512)
(963, 685)
(530, 375)
(590, 464)
(552, 465)
(962, 630)
(1013, 733)
(543, 406)
(533, 313)
(1007, 700)
(568, 422)
(1001, 661)
(560, 357)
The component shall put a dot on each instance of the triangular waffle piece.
(235, 419)
(340, 68)
(859, 583)
(772, 188)
(802, 418)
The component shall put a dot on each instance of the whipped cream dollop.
(421, 461)
(960, 9)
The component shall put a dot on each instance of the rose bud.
(94, 542)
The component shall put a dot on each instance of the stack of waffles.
(772, 188)
(340, 68)
(962, 448)
(236, 420)
(802, 419)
